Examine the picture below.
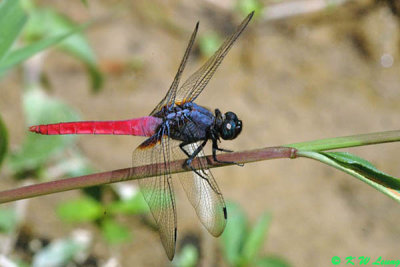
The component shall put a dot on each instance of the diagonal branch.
(140, 173)
(288, 151)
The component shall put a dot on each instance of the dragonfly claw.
(228, 162)
(224, 150)
(188, 164)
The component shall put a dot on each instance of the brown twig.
(140, 173)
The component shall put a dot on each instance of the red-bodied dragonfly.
(177, 128)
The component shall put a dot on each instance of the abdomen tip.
(34, 129)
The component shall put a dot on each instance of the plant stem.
(348, 141)
(141, 172)
(288, 151)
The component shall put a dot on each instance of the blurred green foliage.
(114, 232)
(38, 154)
(44, 28)
(87, 209)
(85, 2)
(55, 29)
(41, 29)
(36, 150)
(247, 6)
(188, 256)
(3, 140)
(241, 244)
(84, 209)
(8, 220)
(234, 233)
(12, 20)
(209, 43)
(46, 23)
(38, 107)
(133, 205)
(19, 55)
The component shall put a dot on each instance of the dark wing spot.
(225, 213)
(175, 234)
(149, 143)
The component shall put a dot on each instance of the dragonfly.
(177, 128)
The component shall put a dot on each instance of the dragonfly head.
(231, 126)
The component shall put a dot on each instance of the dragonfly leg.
(181, 145)
(194, 154)
(214, 153)
(223, 150)
(188, 162)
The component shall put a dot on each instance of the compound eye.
(231, 126)
(228, 130)
(238, 127)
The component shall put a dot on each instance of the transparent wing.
(203, 192)
(193, 86)
(169, 98)
(158, 190)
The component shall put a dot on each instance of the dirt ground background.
(308, 77)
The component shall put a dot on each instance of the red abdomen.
(144, 126)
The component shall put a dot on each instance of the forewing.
(169, 98)
(203, 193)
(158, 190)
(193, 86)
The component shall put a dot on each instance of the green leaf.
(45, 23)
(85, 2)
(37, 149)
(187, 257)
(364, 168)
(80, 210)
(95, 75)
(209, 43)
(12, 20)
(41, 108)
(114, 232)
(247, 6)
(21, 54)
(134, 205)
(8, 220)
(358, 168)
(255, 239)
(271, 261)
(3, 140)
(22, 263)
(234, 234)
